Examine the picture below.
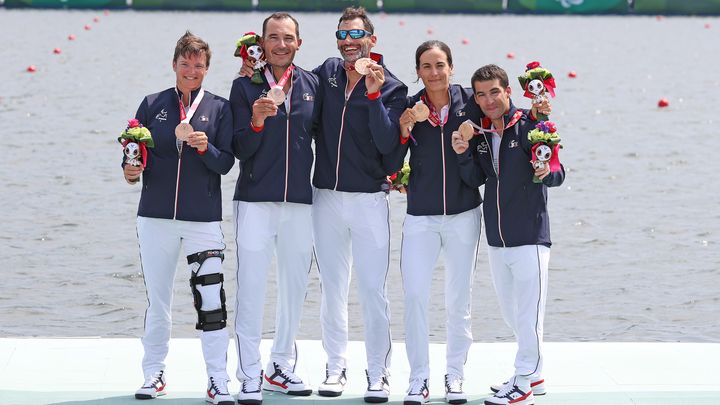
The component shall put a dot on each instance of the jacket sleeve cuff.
(256, 129)
(374, 96)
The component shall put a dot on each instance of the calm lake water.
(636, 226)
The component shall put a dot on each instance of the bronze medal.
(183, 131)
(466, 131)
(422, 112)
(277, 95)
(361, 65)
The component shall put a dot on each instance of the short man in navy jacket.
(516, 223)
(356, 125)
(272, 208)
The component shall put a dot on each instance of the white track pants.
(520, 277)
(423, 239)
(160, 242)
(261, 230)
(356, 223)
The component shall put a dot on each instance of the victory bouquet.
(248, 47)
(135, 141)
(536, 81)
(401, 178)
(546, 145)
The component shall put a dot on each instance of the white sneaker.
(537, 387)
(334, 384)
(250, 391)
(454, 393)
(418, 392)
(285, 381)
(217, 392)
(153, 387)
(511, 395)
(378, 389)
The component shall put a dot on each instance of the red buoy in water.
(510, 55)
(31, 69)
(87, 27)
(572, 74)
(57, 51)
(96, 19)
(465, 41)
(707, 26)
(106, 12)
(401, 23)
(658, 17)
(663, 103)
(429, 31)
(71, 37)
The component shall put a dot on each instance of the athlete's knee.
(208, 287)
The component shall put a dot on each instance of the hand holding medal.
(374, 74)
(466, 130)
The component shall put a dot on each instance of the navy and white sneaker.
(250, 391)
(153, 387)
(378, 390)
(285, 381)
(217, 392)
(537, 387)
(511, 395)
(334, 384)
(454, 393)
(417, 393)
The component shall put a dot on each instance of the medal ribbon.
(515, 118)
(283, 79)
(185, 117)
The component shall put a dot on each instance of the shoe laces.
(335, 378)
(376, 382)
(506, 390)
(417, 387)
(252, 384)
(286, 374)
(154, 380)
(453, 383)
(220, 386)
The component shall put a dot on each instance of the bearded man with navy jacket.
(272, 208)
(356, 127)
(516, 224)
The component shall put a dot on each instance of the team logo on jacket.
(482, 147)
(162, 116)
(203, 118)
(513, 143)
(332, 81)
(460, 113)
(308, 97)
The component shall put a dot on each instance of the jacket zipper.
(287, 150)
(177, 181)
(342, 125)
(442, 150)
(497, 190)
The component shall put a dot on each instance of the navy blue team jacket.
(276, 161)
(353, 135)
(515, 208)
(184, 184)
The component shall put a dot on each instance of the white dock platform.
(83, 371)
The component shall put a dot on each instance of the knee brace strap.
(207, 320)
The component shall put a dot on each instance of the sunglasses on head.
(354, 34)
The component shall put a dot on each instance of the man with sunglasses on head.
(272, 208)
(356, 125)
